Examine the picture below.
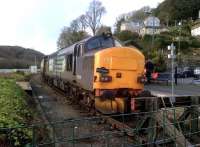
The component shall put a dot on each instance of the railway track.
(57, 132)
(115, 124)
(138, 127)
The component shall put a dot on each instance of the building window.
(69, 62)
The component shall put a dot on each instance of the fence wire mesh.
(175, 126)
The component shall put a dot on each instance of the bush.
(183, 45)
(14, 111)
(194, 42)
(147, 38)
(127, 35)
(159, 61)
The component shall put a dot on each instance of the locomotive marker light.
(105, 78)
(172, 56)
(102, 70)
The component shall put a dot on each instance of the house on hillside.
(151, 26)
(195, 31)
(133, 26)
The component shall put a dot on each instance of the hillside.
(176, 10)
(18, 57)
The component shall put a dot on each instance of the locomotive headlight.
(105, 78)
(118, 75)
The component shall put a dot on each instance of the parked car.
(197, 72)
(179, 73)
(186, 73)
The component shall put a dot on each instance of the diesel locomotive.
(98, 73)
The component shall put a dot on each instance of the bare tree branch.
(69, 36)
(94, 14)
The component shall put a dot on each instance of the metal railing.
(164, 127)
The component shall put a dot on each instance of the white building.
(133, 26)
(195, 31)
(151, 26)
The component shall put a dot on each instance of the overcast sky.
(37, 23)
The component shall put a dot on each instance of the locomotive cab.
(117, 79)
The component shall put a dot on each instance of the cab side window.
(94, 44)
(79, 51)
(69, 60)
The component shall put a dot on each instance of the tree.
(82, 22)
(178, 10)
(140, 14)
(69, 36)
(79, 24)
(127, 36)
(103, 29)
(118, 23)
(93, 15)
(74, 26)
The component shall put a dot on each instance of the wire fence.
(175, 126)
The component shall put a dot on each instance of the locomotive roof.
(68, 49)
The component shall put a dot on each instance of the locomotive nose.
(118, 67)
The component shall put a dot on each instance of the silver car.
(197, 71)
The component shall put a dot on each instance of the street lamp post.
(172, 56)
(152, 44)
(179, 43)
(150, 13)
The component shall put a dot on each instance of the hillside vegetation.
(154, 47)
(18, 57)
(171, 10)
(14, 111)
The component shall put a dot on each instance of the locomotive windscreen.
(100, 42)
